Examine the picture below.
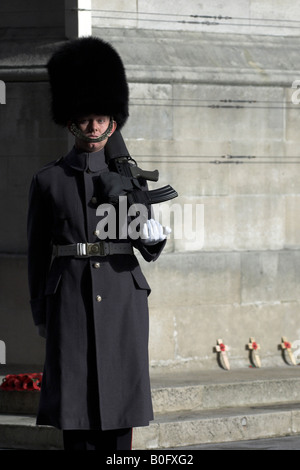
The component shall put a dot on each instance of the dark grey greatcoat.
(96, 372)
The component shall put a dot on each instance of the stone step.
(223, 425)
(17, 402)
(21, 432)
(192, 407)
(197, 390)
(170, 430)
(202, 390)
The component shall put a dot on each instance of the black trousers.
(117, 439)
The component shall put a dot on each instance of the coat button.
(98, 298)
(94, 200)
(96, 265)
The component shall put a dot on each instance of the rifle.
(126, 178)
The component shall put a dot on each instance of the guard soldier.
(89, 295)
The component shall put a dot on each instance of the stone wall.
(28, 141)
(262, 17)
(215, 115)
(210, 107)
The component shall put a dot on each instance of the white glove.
(153, 232)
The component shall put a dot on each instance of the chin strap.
(80, 135)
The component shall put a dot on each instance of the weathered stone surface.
(211, 107)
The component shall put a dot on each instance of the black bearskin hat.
(87, 76)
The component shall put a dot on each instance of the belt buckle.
(96, 249)
(85, 250)
(81, 249)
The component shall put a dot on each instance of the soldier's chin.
(77, 132)
(94, 145)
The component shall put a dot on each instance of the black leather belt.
(85, 250)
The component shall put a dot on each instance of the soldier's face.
(93, 126)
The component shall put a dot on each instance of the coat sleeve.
(149, 252)
(39, 250)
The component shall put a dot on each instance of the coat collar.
(85, 161)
